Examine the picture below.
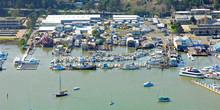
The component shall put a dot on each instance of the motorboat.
(207, 70)
(100, 53)
(31, 61)
(93, 59)
(58, 67)
(3, 55)
(84, 66)
(130, 67)
(216, 68)
(148, 84)
(173, 62)
(76, 88)
(77, 43)
(191, 72)
(153, 62)
(81, 59)
(164, 99)
(214, 75)
(105, 66)
(111, 103)
(17, 61)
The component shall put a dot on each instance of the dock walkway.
(207, 86)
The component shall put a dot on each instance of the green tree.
(19, 4)
(128, 7)
(22, 41)
(88, 5)
(177, 28)
(193, 20)
(96, 33)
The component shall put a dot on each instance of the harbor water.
(36, 88)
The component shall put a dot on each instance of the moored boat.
(130, 67)
(105, 66)
(164, 99)
(84, 66)
(47, 41)
(61, 93)
(191, 72)
(58, 67)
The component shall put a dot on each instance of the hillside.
(140, 7)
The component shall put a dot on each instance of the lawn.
(6, 38)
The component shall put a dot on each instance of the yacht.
(191, 72)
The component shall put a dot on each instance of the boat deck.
(29, 67)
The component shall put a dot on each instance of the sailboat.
(163, 99)
(61, 93)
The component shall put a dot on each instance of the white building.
(182, 43)
(70, 19)
(125, 18)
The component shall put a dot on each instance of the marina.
(101, 84)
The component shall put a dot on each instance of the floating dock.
(212, 87)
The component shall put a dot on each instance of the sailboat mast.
(60, 83)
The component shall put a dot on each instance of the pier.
(212, 87)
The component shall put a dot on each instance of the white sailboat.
(61, 93)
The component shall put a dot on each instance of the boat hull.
(106, 67)
(84, 68)
(61, 95)
(130, 68)
(194, 76)
(148, 85)
(163, 100)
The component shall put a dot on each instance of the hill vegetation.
(140, 7)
